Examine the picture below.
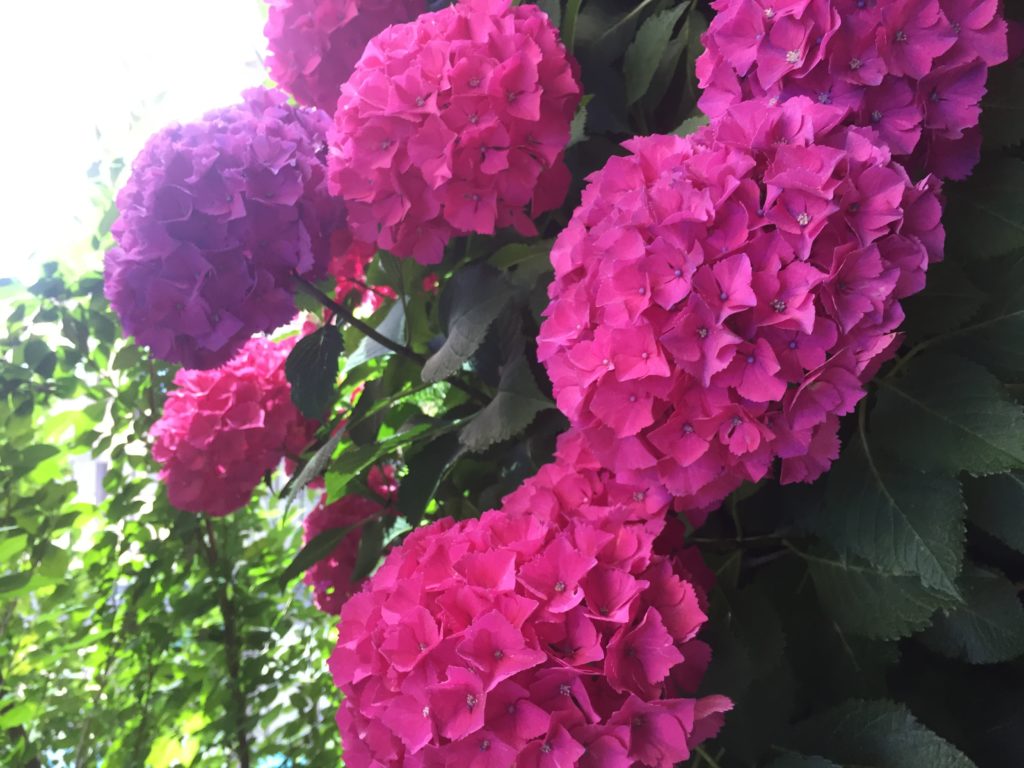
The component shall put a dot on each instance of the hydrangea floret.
(452, 124)
(548, 632)
(914, 70)
(315, 44)
(223, 429)
(720, 299)
(216, 218)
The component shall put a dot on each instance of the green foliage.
(312, 369)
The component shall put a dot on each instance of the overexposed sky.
(75, 72)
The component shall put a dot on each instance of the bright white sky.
(73, 68)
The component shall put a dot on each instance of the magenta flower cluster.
(914, 70)
(223, 429)
(315, 44)
(546, 633)
(720, 299)
(331, 577)
(452, 124)
(216, 218)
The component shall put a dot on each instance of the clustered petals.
(720, 299)
(547, 632)
(222, 430)
(315, 44)
(914, 70)
(452, 124)
(216, 218)
(331, 577)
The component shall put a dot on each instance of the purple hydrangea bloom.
(216, 218)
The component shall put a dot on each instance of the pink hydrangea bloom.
(216, 218)
(454, 123)
(331, 578)
(913, 69)
(548, 632)
(314, 44)
(223, 429)
(718, 300)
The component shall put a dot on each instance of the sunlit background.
(89, 81)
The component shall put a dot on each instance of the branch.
(370, 332)
(232, 646)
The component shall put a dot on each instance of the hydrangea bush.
(214, 222)
(720, 299)
(453, 124)
(666, 372)
(222, 430)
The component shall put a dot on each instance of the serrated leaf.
(392, 327)
(511, 411)
(996, 505)
(316, 550)
(948, 414)
(989, 204)
(426, 469)
(899, 520)
(312, 371)
(578, 127)
(644, 53)
(802, 761)
(995, 337)
(875, 734)
(988, 628)
(691, 124)
(371, 544)
(947, 303)
(471, 301)
(868, 601)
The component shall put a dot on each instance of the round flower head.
(548, 632)
(331, 578)
(223, 429)
(314, 44)
(214, 221)
(719, 299)
(454, 123)
(913, 69)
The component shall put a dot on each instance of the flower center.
(901, 36)
(559, 586)
(779, 305)
(855, 63)
(803, 218)
(793, 56)
(470, 701)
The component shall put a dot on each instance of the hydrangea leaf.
(869, 601)
(994, 338)
(314, 466)
(876, 734)
(802, 761)
(312, 371)
(510, 412)
(899, 520)
(317, 549)
(426, 468)
(371, 544)
(391, 326)
(948, 414)
(988, 628)
(691, 124)
(985, 215)
(645, 52)
(950, 300)
(471, 301)
(1002, 115)
(996, 505)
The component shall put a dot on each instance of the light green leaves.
(645, 52)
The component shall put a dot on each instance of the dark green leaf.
(510, 412)
(553, 8)
(691, 124)
(899, 520)
(991, 203)
(645, 51)
(1002, 114)
(948, 414)
(875, 734)
(802, 761)
(426, 469)
(996, 505)
(371, 544)
(988, 628)
(868, 601)
(315, 466)
(471, 301)
(949, 300)
(994, 338)
(316, 550)
(40, 358)
(312, 371)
